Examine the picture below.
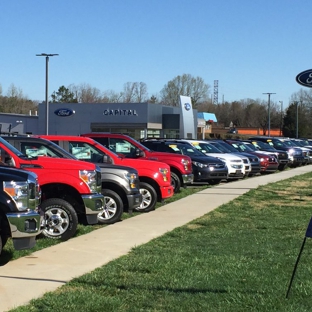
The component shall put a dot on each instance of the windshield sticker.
(81, 152)
(34, 152)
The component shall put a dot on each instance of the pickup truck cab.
(180, 165)
(120, 184)
(70, 188)
(154, 176)
(19, 208)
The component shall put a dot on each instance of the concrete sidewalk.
(30, 277)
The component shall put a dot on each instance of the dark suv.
(205, 168)
(282, 156)
(295, 154)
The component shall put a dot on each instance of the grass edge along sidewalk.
(180, 271)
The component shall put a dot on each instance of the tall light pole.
(281, 130)
(46, 55)
(297, 117)
(297, 120)
(269, 110)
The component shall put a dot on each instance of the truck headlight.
(90, 177)
(132, 178)
(19, 192)
(185, 163)
(164, 172)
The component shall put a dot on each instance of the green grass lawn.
(9, 253)
(239, 257)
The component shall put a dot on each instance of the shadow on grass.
(177, 290)
(33, 279)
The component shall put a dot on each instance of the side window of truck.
(121, 146)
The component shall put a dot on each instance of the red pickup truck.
(70, 188)
(180, 165)
(154, 176)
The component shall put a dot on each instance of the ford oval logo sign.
(187, 106)
(64, 112)
(305, 78)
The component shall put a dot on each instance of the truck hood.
(110, 168)
(61, 163)
(164, 155)
(143, 163)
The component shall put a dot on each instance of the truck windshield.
(88, 152)
(12, 148)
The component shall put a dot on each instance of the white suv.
(235, 164)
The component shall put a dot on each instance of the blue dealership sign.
(64, 112)
(305, 78)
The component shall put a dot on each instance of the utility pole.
(46, 55)
(269, 111)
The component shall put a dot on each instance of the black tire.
(214, 182)
(60, 217)
(113, 209)
(149, 198)
(175, 182)
(4, 240)
(4, 229)
(1, 246)
(282, 167)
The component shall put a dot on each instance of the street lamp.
(281, 130)
(269, 108)
(46, 55)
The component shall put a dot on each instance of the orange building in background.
(259, 131)
(215, 130)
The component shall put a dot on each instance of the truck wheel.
(3, 237)
(60, 218)
(214, 182)
(149, 198)
(175, 182)
(281, 167)
(113, 208)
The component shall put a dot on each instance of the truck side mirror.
(107, 159)
(139, 153)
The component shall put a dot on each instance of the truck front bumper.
(134, 201)
(188, 178)
(24, 226)
(166, 191)
(93, 203)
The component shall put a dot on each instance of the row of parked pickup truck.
(53, 182)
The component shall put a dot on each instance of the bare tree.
(84, 93)
(135, 92)
(141, 94)
(111, 96)
(15, 102)
(186, 85)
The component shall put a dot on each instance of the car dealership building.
(139, 120)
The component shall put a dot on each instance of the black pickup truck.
(19, 208)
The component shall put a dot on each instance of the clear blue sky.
(250, 46)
